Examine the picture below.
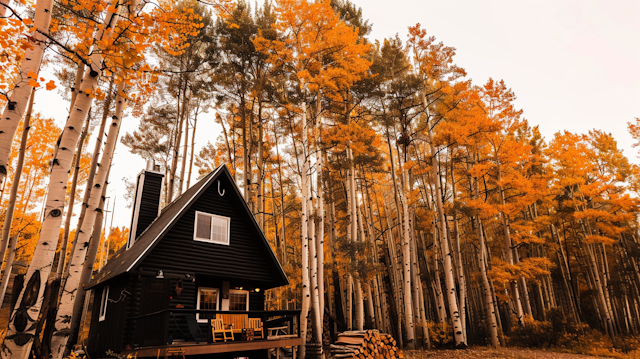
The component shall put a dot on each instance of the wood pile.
(365, 344)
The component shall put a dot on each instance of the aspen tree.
(8, 219)
(71, 288)
(29, 70)
(20, 334)
(8, 216)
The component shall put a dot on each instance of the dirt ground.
(490, 353)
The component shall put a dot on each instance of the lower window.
(238, 300)
(207, 299)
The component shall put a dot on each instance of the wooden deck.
(212, 348)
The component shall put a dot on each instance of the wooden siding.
(108, 334)
(244, 259)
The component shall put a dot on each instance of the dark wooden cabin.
(201, 256)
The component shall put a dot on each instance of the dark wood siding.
(244, 259)
(256, 300)
(108, 334)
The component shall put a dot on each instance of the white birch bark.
(72, 199)
(10, 247)
(313, 262)
(304, 217)
(11, 205)
(84, 235)
(490, 313)
(458, 333)
(6, 274)
(321, 215)
(94, 163)
(19, 96)
(406, 259)
(20, 333)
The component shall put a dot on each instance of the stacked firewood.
(365, 344)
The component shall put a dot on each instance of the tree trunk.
(11, 205)
(93, 166)
(490, 313)
(304, 217)
(509, 252)
(72, 281)
(444, 246)
(8, 267)
(85, 276)
(185, 147)
(193, 145)
(72, 198)
(19, 98)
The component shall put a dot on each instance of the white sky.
(574, 65)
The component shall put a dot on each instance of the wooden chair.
(256, 325)
(218, 327)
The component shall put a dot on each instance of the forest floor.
(491, 353)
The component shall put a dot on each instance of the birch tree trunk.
(11, 205)
(71, 288)
(74, 182)
(458, 333)
(72, 199)
(19, 97)
(92, 166)
(304, 217)
(6, 274)
(490, 313)
(20, 333)
(321, 216)
(509, 252)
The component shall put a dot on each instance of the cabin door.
(155, 297)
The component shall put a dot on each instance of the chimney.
(146, 205)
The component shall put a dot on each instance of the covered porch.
(177, 333)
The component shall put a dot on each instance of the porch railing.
(175, 328)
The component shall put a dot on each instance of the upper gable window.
(211, 228)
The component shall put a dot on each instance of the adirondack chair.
(194, 329)
(218, 328)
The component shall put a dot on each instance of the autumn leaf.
(51, 85)
(33, 83)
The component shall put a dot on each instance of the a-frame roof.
(127, 260)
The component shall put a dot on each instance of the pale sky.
(574, 65)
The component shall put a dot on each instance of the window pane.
(238, 301)
(208, 300)
(219, 230)
(203, 227)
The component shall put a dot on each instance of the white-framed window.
(238, 299)
(103, 303)
(211, 228)
(207, 299)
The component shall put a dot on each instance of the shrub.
(441, 335)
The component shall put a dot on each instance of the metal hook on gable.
(220, 193)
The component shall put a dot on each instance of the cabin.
(191, 279)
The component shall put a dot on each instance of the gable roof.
(126, 260)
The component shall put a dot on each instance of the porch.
(176, 333)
